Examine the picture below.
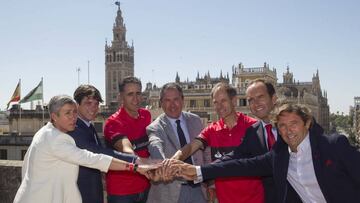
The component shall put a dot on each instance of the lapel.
(81, 125)
(261, 136)
(281, 165)
(190, 126)
(314, 133)
(169, 131)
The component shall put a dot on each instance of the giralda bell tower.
(119, 61)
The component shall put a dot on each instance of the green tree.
(343, 124)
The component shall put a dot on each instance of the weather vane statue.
(117, 3)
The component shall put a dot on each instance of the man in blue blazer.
(85, 136)
(261, 136)
(307, 166)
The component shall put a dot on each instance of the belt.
(190, 183)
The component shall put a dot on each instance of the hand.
(211, 193)
(145, 168)
(154, 175)
(168, 173)
(141, 161)
(163, 173)
(184, 170)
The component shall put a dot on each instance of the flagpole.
(88, 72)
(19, 123)
(42, 100)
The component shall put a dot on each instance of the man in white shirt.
(318, 168)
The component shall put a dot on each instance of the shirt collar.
(87, 123)
(173, 120)
(125, 113)
(221, 122)
(303, 146)
(264, 124)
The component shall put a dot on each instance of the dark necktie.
(92, 129)
(270, 136)
(182, 139)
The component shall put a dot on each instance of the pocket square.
(328, 162)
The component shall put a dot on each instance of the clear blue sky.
(51, 39)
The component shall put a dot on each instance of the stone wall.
(10, 179)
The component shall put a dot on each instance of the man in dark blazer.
(261, 98)
(307, 166)
(85, 136)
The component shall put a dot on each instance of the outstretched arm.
(256, 166)
(188, 150)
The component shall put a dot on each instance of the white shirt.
(183, 127)
(301, 173)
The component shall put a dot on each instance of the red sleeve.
(114, 130)
(204, 136)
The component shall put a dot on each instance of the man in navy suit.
(261, 136)
(85, 136)
(307, 166)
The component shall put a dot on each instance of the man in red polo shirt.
(125, 131)
(223, 136)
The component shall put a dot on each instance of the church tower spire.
(119, 60)
(119, 28)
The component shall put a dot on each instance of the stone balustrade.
(10, 179)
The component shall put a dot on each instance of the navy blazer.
(254, 144)
(336, 166)
(90, 180)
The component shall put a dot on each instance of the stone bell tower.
(119, 60)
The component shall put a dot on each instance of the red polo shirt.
(120, 125)
(223, 140)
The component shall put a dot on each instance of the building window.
(23, 152)
(242, 102)
(206, 102)
(3, 154)
(192, 103)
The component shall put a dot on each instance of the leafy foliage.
(343, 124)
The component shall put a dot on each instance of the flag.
(34, 94)
(16, 95)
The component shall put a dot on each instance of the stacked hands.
(166, 170)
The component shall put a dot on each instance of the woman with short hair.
(51, 163)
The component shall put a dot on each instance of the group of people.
(175, 159)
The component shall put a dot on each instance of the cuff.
(135, 159)
(199, 177)
(105, 163)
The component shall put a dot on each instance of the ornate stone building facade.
(308, 93)
(196, 95)
(198, 100)
(119, 61)
(241, 76)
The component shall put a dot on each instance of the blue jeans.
(133, 198)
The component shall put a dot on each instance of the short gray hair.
(171, 85)
(59, 101)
